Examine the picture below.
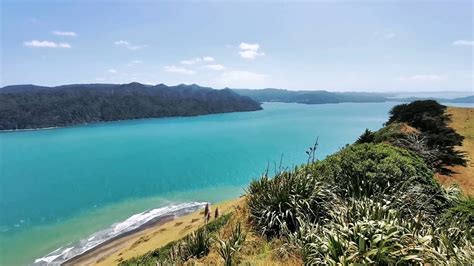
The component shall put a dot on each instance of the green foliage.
(388, 133)
(280, 201)
(196, 245)
(28, 106)
(373, 170)
(366, 137)
(364, 231)
(461, 216)
(367, 204)
(463, 211)
(228, 248)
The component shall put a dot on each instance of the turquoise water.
(60, 185)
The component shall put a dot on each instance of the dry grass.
(256, 250)
(463, 123)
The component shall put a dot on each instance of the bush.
(228, 248)
(196, 245)
(366, 137)
(389, 133)
(280, 201)
(373, 170)
(364, 231)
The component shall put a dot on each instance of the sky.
(378, 46)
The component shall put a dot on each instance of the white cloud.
(208, 59)
(217, 67)
(46, 44)
(249, 46)
(180, 70)
(249, 50)
(463, 43)
(240, 79)
(130, 46)
(122, 43)
(65, 33)
(113, 71)
(197, 60)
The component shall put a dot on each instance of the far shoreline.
(113, 121)
(210, 114)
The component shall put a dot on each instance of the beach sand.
(149, 238)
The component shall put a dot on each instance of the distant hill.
(320, 97)
(310, 97)
(468, 99)
(30, 106)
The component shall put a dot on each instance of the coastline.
(468, 105)
(147, 237)
(118, 120)
(117, 231)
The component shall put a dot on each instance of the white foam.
(67, 252)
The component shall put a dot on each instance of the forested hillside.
(29, 106)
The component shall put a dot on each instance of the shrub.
(364, 231)
(228, 248)
(461, 216)
(389, 133)
(373, 170)
(366, 137)
(196, 245)
(280, 201)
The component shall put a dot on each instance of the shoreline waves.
(119, 230)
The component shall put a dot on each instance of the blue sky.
(336, 46)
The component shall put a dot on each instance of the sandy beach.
(147, 238)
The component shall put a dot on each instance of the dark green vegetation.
(427, 134)
(370, 203)
(320, 97)
(29, 106)
(194, 245)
